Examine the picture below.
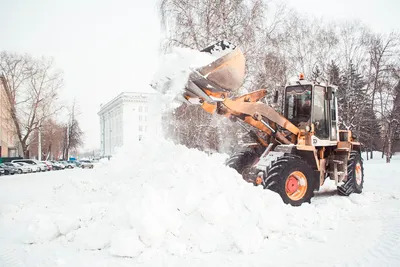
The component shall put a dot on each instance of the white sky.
(379, 15)
(106, 47)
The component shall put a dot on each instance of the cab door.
(333, 117)
(320, 114)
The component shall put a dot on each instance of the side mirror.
(276, 96)
(329, 93)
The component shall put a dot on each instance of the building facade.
(126, 119)
(8, 140)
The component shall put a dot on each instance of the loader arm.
(257, 114)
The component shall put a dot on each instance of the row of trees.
(32, 87)
(280, 43)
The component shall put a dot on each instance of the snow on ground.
(166, 205)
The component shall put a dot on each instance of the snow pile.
(222, 48)
(186, 200)
(173, 72)
(165, 199)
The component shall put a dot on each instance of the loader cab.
(312, 107)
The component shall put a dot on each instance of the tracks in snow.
(386, 250)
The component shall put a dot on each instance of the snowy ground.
(171, 206)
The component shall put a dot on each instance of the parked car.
(86, 164)
(67, 164)
(2, 171)
(75, 162)
(8, 170)
(55, 165)
(48, 165)
(21, 167)
(39, 166)
(59, 165)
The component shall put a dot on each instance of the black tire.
(19, 171)
(242, 162)
(280, 174)
(352, 184)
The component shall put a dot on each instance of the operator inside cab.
(298, 105)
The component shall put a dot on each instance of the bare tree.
(382, 53)
(73, 135)
(32, 87)
(51, 138)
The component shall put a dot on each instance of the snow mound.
(165, 200)
(173, 72)
(176, 200)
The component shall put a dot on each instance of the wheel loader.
(294, 152)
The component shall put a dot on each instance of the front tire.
(292, 178)
(355, 175)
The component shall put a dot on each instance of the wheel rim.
(358, 174)
(296, 185)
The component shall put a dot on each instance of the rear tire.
(292, 178)
(242, 162)
(355, 175)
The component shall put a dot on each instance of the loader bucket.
(222, 76)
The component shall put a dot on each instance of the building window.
(145, 128)
(146, 109)
(140, 109)
(140, 137)
(140, 117)
(145, 118)
(140, 128)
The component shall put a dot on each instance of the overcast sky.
(106, 47)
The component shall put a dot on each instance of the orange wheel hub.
(296, 185)
(358, 174)
(292, 184)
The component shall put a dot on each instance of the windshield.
(298, 104)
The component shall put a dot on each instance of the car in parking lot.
(76, 163)
(21, 167)
(8, 170)
(48, 165)
(67, 164)
(2, 171)
(36, 165)
(57, 165)
(86, 164)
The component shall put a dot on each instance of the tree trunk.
(26, 152)
(389, 144)
(383, 148)
(389, 151)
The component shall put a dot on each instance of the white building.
(126, 119)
